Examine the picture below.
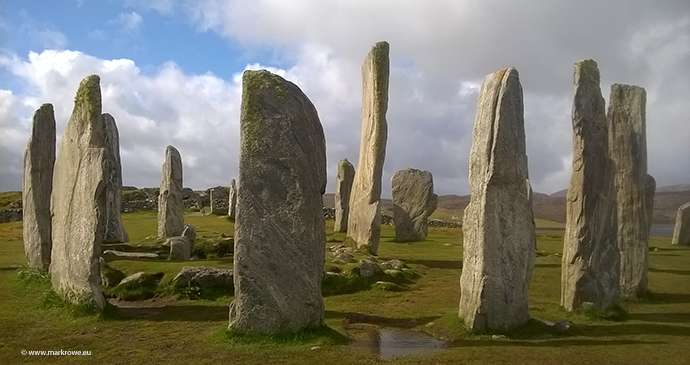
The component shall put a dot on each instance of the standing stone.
(79, 199)
(498, 228)
(232, 200)
(681, 233)
(591, 261)
(413, 202)
(280, 237)
(364, 218)
(37, 187)
(628, 149)
(114, 230)
(219, 200)
(343, 186)
(650, 191)
(170, 221)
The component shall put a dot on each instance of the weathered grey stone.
(37, 186)
(189, 232)
(135, 255)
(591, 261)
(280, 239)
(343, 186)
(204, 277)
(219, 200)
(180, 248)
(143, 278)
(498, 228)
(628, 149)
(367, 268)
(413, 202)
(681, 232)
(114, 230)
(78, 201)
(364, 218)
(232, 200)
(170, 221)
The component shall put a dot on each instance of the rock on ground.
(37, 186)
(114, 230)
(78, 201)
(413, 202)
(279, 230)
(170, 221)
(204, 277)
(591, 261)
(343, 187)
(180, 248)
(681, 232)
(628, 149)
(364, 218)
(498, 226)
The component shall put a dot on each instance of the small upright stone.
(78, 201)
(591, 261)
(681, 232)
(170, 220)
(628, 149)
(499, 245)
(232, 200)
(364, 218)
(280, 239)
(343, 186)
(413, 202)
(219, 200)
(37, 186)
(114, 230)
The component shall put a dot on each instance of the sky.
(171, 74)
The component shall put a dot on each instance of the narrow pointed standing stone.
(343, 187)
(364, 218)
(498, 227)
(280, 238)
(232, 200)
(628, 149)
(681, 232)
(37, 186)
(591, 261)
(79, 199)
(114, 230)
(170, 220)
(413, 202)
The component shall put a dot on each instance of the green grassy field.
(166, 330)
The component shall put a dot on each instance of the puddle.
(390, 343)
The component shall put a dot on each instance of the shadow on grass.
(437, 264)
(662, 298)
(670, 271)
(565, 342)
(661, 317)
(353, 318)
(306, 337)
(184, 313)
(632, 330)
(547, 265)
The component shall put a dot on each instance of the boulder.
(37, 187)
(499, 243)
(364, 218)
(130, 255)
(204, 277)
(591, 261)
(367, 268)
(628, 149)
(681, 232)
(343, 186)
(78, 201)
(170, 221)
(180, 248)
(114, 230)
(280, 237)
(142, 278)
(189, 232)
(413, 202)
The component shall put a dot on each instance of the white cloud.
(130, 22)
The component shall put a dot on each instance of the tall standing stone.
(364, 218)
(232, 200)
(628, 149)
(170, 220)
(591, 261)
(219, 200)
(114, 230)
(498, 227)
(413, 202)
(279, 231)
(37, 186)
(343, 187)
(79, 199)
(681, 232)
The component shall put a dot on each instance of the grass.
(7, 198)
(172, 330)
